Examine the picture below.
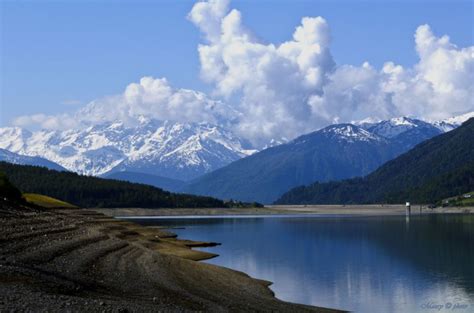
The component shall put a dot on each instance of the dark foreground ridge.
(80, 260)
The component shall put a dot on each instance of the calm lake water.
(363, 264)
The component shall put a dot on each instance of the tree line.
(88, 192)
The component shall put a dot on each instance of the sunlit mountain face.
(177, 150)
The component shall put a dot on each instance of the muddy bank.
(81, 260)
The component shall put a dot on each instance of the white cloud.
(274, 82)
(209, 15)
(60, 121)
(440, 85)
(150, 97)
(449, 72)
(270, 91)
(295, 87)
(155, 98)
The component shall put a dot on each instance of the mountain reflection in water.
(364, 264)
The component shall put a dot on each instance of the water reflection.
(365, 264)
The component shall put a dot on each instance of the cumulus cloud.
(440, 85)
(271, 91)
(156, 98)
(295, 87)
(44, 121)
(150, 97)
(274, 82)
(449, 72)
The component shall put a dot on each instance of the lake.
(363, 264)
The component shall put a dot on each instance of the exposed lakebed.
(358, 263)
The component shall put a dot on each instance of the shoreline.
(82, 260)
(270, 210)
(86, 260)
(280, 211)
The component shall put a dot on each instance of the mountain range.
(207, 159)
(332, 153)
(175, 150)
(435, 169)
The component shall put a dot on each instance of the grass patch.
(466, 199)
(46, 201)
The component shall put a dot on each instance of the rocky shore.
(75, 260)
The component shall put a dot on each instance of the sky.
(239, 63)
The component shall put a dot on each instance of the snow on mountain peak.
(397, 121)
(13, 138)
(178, 150)
(160, 147)
(458, 120)
(394, 126)
(350, 133)
(453, 122)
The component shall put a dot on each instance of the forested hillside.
(86, 191)
(7, 190)
(435, 169)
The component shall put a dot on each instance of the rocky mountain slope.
(174, 150)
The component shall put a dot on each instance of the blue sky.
(59, 55)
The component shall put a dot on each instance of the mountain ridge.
(182, 151)
(175, 150)
(335, 152)
(435, 169)
(15, 158)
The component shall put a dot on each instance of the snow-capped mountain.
(176, 150)
(335, 152)
(332, 153)
(184, 150)
(395, 126)
(452, 122)
(350, 133)
(404, 131)
(15, 158)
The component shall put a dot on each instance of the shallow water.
(363, 264)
